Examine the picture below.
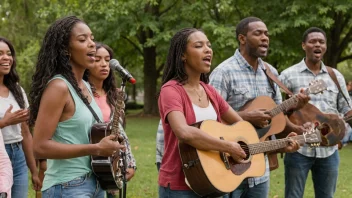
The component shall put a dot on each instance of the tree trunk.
(150, 79)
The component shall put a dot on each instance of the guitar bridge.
(224, 158)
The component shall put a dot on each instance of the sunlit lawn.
(142, 132)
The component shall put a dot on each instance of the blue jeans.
(166, 192)
(85, 186)
(20, 170)
(324, 174)
(243, 191)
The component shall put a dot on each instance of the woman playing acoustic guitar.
(186, 98)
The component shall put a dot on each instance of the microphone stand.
(122, 192)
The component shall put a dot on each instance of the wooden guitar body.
(104, 167)
(333, 127)
(214, 173)
(277, 123)
(206, 171)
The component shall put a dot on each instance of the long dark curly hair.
(11, 80)
(109, 84)
(174, 68)
(53, 59)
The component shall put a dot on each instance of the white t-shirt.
(11, 133)
(207, 113)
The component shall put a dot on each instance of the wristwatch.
(3, 195)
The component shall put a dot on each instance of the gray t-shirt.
(11, 133)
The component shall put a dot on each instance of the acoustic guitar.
(213, 173)
(278, 120)
(333, 127)
(110, 171)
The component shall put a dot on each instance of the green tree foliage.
(139, 31)
(287, 20)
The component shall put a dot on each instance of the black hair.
(109, 84)
(11, 80)
(174, 68)
(53, 59)
(311, 30)
(242, 26)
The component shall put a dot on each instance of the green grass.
(142, 132)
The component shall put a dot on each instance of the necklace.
(199, 95)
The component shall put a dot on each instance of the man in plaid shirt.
(240, 79)
(322, 161)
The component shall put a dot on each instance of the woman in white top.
(13, 117)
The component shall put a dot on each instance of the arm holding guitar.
(231, 116)
(200, 140)
(292, 146)
(302, 99)
(293, 127)
(257, 117)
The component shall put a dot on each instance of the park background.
(139, 32)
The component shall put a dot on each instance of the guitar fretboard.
(117, 113)
(272, 145)
(285, 105)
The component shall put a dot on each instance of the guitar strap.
(334, 78)
(93, 112)
(272, 77)
(272, 157)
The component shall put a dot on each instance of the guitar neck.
(287, 104)
(117, 114)
(273, 145)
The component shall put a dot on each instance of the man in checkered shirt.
(322, 161)
(240, 79)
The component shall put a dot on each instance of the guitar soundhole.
(240, 168)
(244, 146)
(325, 129)
(245, 149)
(269, 122)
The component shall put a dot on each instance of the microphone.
(114, 64)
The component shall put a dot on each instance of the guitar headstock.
(317, 86)
(312, 136)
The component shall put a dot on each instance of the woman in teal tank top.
(59, 112)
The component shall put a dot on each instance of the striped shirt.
(159, 142)
(331, 101)
(238, 83)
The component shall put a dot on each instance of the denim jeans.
(85, 186)
(243, 191)
(20, 170)
(324, 174)
(166, 192)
